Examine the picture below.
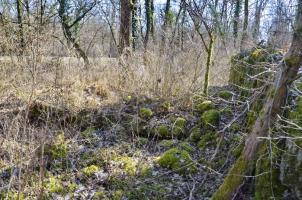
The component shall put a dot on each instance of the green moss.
(12, 195)
(162, 131)
(142, 141)
(235, 127)
(145, 113)
(166, 106)
(185, 146)
(178, 126)
(251, 118)
(72, 187)
(99, 195)
(292, 61)
(204, 106)
(54, 185)
(90, 170)
(177, 160)
(195, 134)
(88, 132)
(225, 94)
(127, 163)
(233, 180)
(167, 143)
(59, 148)
(210, 118)
(207, 140)
(117, 195)
(268, 185)
(227, 111)
(144, 170)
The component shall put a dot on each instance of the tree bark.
(165, 25)
(135, 23)
(20, 24)
(275, 100)
(236, 19)
(244, 40)
(125, 25)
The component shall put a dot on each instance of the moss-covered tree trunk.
(275, 100)
(208, 65)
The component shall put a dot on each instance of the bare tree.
(70, 23)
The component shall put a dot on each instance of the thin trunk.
(236, 20)
(152, 20)
(256, 26)
(20, 24)
(244, 39)
(148, 22)
(208, 65)
(182, 27)
(165, 25)
(125, 25)
(135, 24)
(275, 101)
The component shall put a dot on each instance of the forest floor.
(139, 148)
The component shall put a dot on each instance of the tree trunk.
(20, 24)
(275, 100)
(236, 20)
(165, 25)
(149, 16)
(135, 23)
(244, 40)
(125, 25)
(63, 14)
(208, 65)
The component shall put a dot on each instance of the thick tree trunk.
(125, 25)
(275, 100)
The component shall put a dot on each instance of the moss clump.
(210, 118)
(207, 140)
(178, 126)
(195, 134)
(59, 148)
(99, 195)
(162, 131)
(185, 146)
(233, 179)
(145, 113)
(142, 141)
(235, 127)
(227, 111)
(117, 195)
(167, 143)
(177, 160)
(225, 94)
(54, 185)
(204, 106)
(127, 164)
(90, 170)
(87, 133)
(12, 195)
